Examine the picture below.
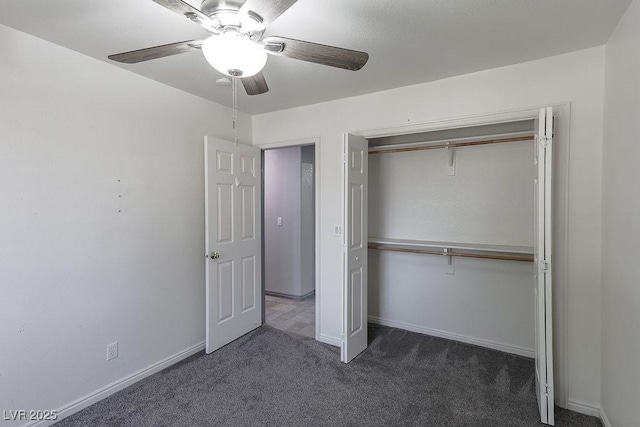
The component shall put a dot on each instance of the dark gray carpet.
(273, 378)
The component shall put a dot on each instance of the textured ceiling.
(409, 41)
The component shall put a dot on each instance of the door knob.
(215, 255)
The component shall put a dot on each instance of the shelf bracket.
(451, 160)
(450, 267)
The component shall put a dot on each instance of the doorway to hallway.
(289, 227)
(291, 315)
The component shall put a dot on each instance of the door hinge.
(544, 265)
(546, 390)
(344, 158)
(545, 141)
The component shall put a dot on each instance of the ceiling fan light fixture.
(234, 54)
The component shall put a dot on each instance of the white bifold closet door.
(354, 323)
(233, 241)
(543, 267)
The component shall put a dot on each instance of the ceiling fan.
(235, 46)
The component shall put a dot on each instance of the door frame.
(315, 141)
(560, 214)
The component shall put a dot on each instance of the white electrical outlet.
(337, 230)
(112, 351)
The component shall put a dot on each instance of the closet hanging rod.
(456, 246)
(452, 144)
(523, 258)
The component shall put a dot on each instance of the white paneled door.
(354, 324)
(233, 243)
(543, 266)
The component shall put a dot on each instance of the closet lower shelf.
(454, 249)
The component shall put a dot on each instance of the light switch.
(279, 222)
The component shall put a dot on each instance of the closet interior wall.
(488, 200)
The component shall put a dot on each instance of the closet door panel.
(355, 247)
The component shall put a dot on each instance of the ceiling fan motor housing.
(208, 7)
(225, 15)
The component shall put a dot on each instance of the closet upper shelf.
(469, 250)
(453, 143)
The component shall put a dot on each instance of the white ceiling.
(409, 41)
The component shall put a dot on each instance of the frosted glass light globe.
(234, 54)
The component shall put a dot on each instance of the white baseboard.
(291, 296)
(604, 419)
(330, 340)
(584, 408)
(507, 348)
(91, 398)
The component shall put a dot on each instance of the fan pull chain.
(235, 108)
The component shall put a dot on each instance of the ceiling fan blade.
(189, 12)
(313, 52)
(268, 10)
(255, 85)
(155, 52)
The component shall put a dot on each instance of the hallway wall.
(289, 248)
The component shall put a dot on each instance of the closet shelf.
(452, 143)
(465, 250)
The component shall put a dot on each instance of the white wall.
(621, 225)
(282, 244)
(489, 200)
(576, 77)
(102, 221)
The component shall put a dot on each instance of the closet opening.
(289, 234)
(449, 233)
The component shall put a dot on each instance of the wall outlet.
(112, 351)
(337, 230)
